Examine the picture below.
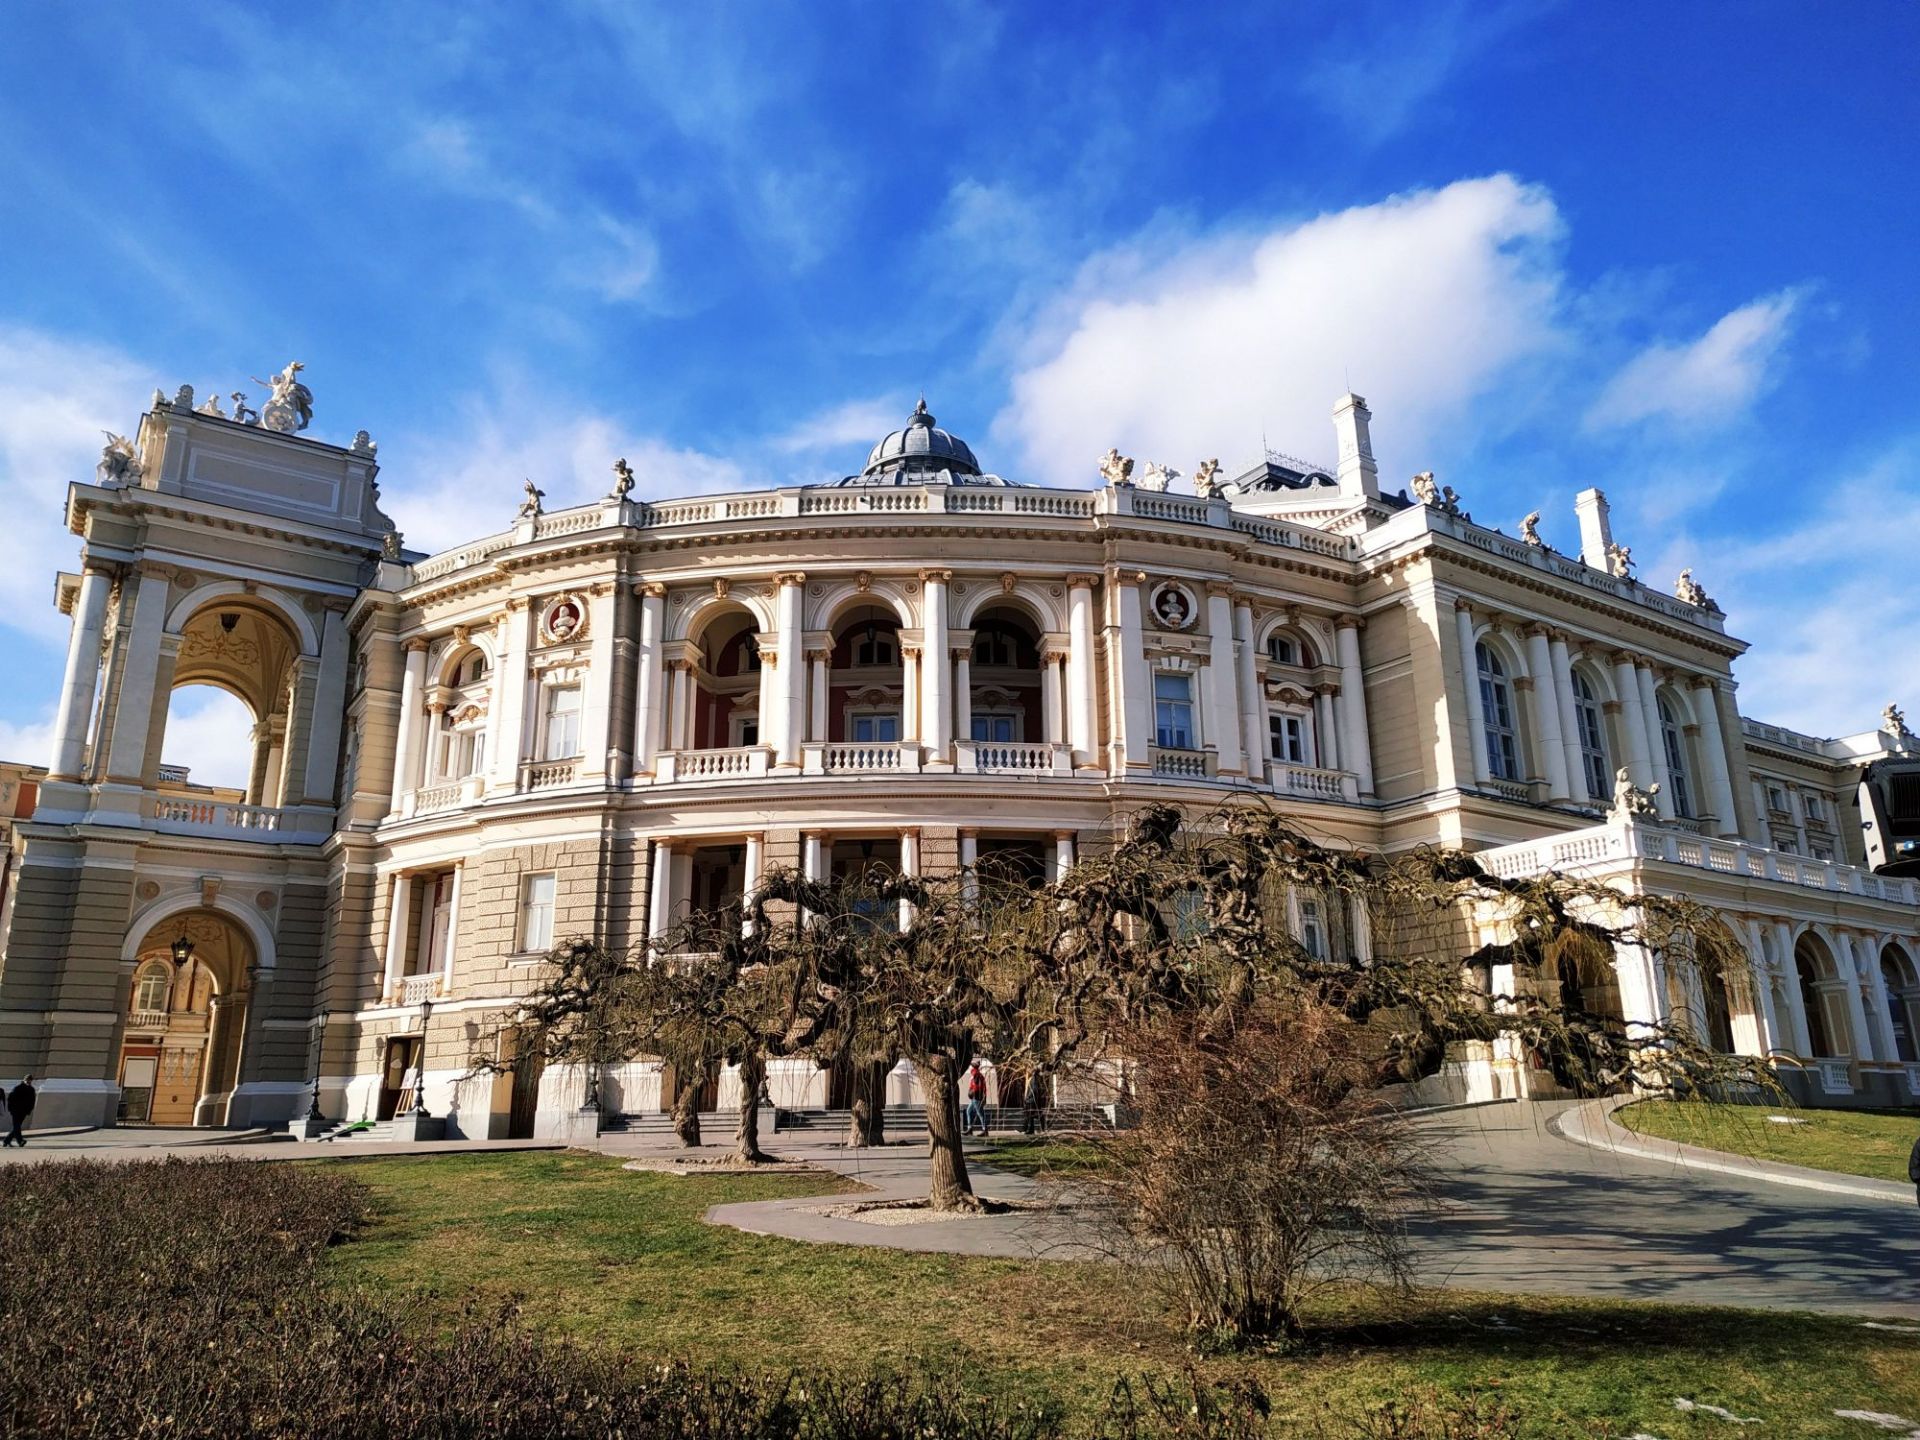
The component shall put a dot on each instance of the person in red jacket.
(976, 1102)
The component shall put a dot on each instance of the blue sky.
(1665, 249)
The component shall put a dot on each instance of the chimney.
(1359, 476)
(1595, 533)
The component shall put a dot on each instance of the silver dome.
(920, 451)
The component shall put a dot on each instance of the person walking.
(20, 1107)
(976, 1101)
(1913, 1169)
(1031, 1099)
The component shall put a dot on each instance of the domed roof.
(919, 452)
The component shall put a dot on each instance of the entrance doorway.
(397, 1075)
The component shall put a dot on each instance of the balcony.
(548, 774)
(1000, 757)
(216, 819)
(1311, 783)
(859, 758)
(1182, 764)
(413, 989)
(446, 796)
(742, 762)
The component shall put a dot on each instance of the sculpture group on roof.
(289, 406)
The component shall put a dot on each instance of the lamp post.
(420, 1071)
(579, 950)
(319, 1060)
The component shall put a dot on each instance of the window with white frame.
(536, 912)
(1496, 700)
(1310, 926)
(746, 729)
(996, 726)
(874, 727)
(562, 723)
(1289, 739)
(1173, 711)
(1681, 789)
(151, 993)
(1592, 734)
(1282, 650)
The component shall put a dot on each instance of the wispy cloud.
(1705, 381)
(208, 731)
(856, 422)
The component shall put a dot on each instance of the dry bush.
(1262, 1167)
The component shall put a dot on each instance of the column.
(660, 894)
(261, 738)
(1796, 1002)
(750, 880)
(1643, 997)
(1354, 742)
(909, 692)
(680, 706)
(600, 749)
(453, 929)
(793, 675)
(1225, 725)
(1134, 703)
(1706, 705)
(506, 724)
(1253, 720)
(936, 697)
(82, 677)
(325, 716)
(1470, 678)
(649, 686)
(819, 690)
(909, 865)
(1547, 733)
(273, 789)
(963, 692)
(969, 863)
(1326, 734)
(1761, 981)
(1052, 697)
(1062, 853)
(813, 855)
(1656, 741)
(396, 956)
(1080, 708)
(406, 743)
(1360, 928)
(133, 715)
(1633, 720)
(1865, 1042)
(767, 704)
(1878, 1000)
(1561, 665)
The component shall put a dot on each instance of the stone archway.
(184, 1026)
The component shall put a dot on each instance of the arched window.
(1592, 735)
(1680, 791)
(1496, 699)
(150, 993)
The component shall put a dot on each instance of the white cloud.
(29, 743)
(1708, 380)
(1420, 302)
(209, 732)
(56, 397)
(855, 423)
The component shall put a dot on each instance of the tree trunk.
(950, 1189)
(868, 1125)
(746, 1138)
(686, 1107)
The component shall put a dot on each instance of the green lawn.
(1050, 1157)
(1855, 1142)
(623, 1259)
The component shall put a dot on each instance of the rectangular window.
(1173, 711)
(536, 912)
(1287, 738)
(1815, 812)
(746, 731)
(875, 727)
(563, 723)
(1313, 929)
(994, 726)
(1777, 799)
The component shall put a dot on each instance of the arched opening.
(1902, 984)
(1003, 681)
(458, 749)
(1673, 742)
(1591, 732)
(1496, 700)
(1821, 997)
(727, 680)
(239, 646)
(1288, 647)
(869, 699)
(184, 1021)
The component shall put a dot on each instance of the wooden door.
(397, 1074)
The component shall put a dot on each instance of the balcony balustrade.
(413, 989)
(214, 817)
(741, 762)
(1183, 764)
(548, 774)
(857, 757)
(1001, 757)
(1312, 783)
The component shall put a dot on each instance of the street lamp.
(420, 1073)
(319, 1059)
(182, 952)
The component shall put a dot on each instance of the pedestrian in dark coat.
(20, 1107)
(1913, 1169)
(1031, 1099)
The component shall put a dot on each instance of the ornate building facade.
(595, 718)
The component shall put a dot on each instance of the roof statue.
(1424, 490)
(211, 406)
(290, 405)
(1115, 468)
(1620, 560)
(1893, 720)
(390, 545)
(119, 462)
(1530, 528)
(1205, 479)
(1629, 800)
(242, 411)
(1158, 476)
(530, 506)
(1686, 588)
(622, 480)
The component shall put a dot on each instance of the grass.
(623, 1259)
(1049, 1157)
(1874, 1143)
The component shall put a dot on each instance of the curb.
(1591, 1124)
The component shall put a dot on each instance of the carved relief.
(563, 621)
(1173, 607)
